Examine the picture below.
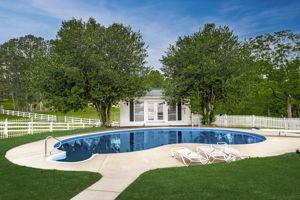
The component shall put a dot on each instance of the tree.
(15, 58)
(155, 79)
(279, 57)
(200, 69)
(94, 64)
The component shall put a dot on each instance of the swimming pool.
(80, 148)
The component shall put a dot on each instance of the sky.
(160, 22)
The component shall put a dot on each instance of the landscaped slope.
(258, 178)
(19, 182)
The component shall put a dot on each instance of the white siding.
(125, 121)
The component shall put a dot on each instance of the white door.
(155, 111)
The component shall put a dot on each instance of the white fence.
(49, 118)
(35, 116)
(257, 121)
(14, 128)
(68, 119)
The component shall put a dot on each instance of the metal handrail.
(46, 146)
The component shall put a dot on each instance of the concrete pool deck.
(120, 170)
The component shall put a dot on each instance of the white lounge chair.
(223, 146)
(188, 156)
(215, 154)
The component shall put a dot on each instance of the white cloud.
(159, 27)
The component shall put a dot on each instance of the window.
(151, 111)
(138, 111)
(172, 112)
(160, 111)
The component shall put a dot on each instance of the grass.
(3, 117)
(19, 182)
(88, 112)
(258, 178)
(7, 104)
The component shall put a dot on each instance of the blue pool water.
(83, 147)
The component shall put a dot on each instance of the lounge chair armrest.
(173, 150)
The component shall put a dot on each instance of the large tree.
(15, 58)
(279, 57)
(155, 79)
(200, 69)
(95, 64)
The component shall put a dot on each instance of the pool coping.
(93, 134)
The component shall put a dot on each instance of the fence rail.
(257, 121)
(49, 118)
(68, 119)
(35, 116)
(13, 129)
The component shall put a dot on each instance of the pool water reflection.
(83, 147)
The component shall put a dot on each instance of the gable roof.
(154, 93)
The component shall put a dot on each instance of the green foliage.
(279, 58)
(203, 68)
(255, 178)
(15, 58)
(94, 64)
(155, 79)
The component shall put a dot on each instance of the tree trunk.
(13, 99)
(289, 107)
(208, 107)
(104, 112)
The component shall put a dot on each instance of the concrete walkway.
(120, 170)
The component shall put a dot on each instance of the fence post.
(68, 126)
(51, 127)
(29, 127)
(65, 118)
(226, 121)
(253, 121)
(5, 133)
(48, 118)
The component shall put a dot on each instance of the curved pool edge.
(250, 133)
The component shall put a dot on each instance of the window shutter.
(179, 111)
(131, 111)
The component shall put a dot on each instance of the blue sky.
(160, 22)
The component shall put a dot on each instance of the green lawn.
(3, 117)
(258, 178)
(88, 112)
(7, 104)
(27, 183)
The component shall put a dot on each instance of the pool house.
(153, 110)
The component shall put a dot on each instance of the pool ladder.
(46, 145)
